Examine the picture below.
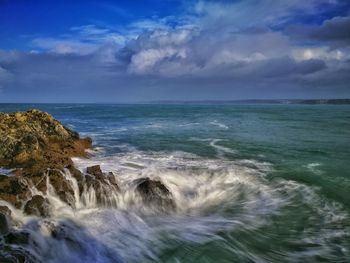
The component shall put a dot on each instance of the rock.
(75, 173)
(15, 248)
(14, 190)
(35, 138)
(62, 186)
(4, 225)
(17, 237)
(155, 193)
(5, 210)
(38, 206)
(16, 255)
(94, 170)
(5, 219)
(78, 176)
(104, 185)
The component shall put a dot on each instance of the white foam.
(221, 149)
(219, 124)
(313, 167)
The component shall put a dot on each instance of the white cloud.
(146, 60)
(305, 53)
(62, 46)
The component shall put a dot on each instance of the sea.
(251, 183)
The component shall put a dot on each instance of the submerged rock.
(155, 193)
(15, 248)
(38, 206)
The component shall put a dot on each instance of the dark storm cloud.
(335, 31)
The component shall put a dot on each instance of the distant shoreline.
(272, 101)
(209, 102)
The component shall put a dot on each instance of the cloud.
(251, 13)
(64, 46)
(214, 50)
(334, 31)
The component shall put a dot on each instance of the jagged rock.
(14, 190)
(75, 173)
(155, 193)
(38, 206)
(78, 176)
(104, 185)
(62, 186)
(94, 170)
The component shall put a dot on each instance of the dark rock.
(17, 237)
(14, 190)
(5, 219)
(94, 170)
(4, 225)
(14, 254)
(75, 173)
(104, 186)
(62, 186)
(155, 193)
(14, 248)
(78, 176)
(38, 206)
(5, 210)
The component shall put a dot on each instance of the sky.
(153, 50)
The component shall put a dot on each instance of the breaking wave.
(212, 197)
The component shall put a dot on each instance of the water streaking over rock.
(188, 193)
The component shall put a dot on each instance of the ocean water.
(252, 183)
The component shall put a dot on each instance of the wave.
(219, 124)
(313, 167)
(221, 150)
(212, 196)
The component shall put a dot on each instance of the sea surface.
(252, 183)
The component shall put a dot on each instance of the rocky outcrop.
(34, 139)
(37, 146)
(156, 194)
(39, 149)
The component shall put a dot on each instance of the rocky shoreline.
(39, 150)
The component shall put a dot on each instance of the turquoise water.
(272, 182)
